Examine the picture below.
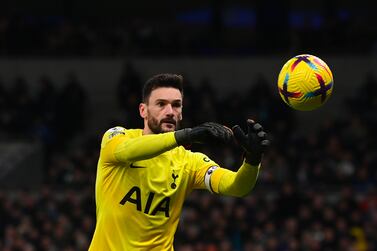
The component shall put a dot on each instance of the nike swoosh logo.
(133, 166)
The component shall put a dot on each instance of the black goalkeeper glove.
(209, 132)
(254, 143)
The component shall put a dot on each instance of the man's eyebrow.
(167, 100)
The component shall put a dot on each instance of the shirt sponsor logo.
(153, 206)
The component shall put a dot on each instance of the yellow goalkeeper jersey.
(139, 197)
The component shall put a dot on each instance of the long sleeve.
(122, 148)
(144, 147)
(238, 184)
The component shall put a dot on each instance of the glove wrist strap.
(182, 137)
(252, 160)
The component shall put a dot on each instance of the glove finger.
(250, 125)
(219, 132)
(228, 133)
(265, 144)
(208, 125)
(254, 127)
(211, 128)
(228, 129)
(257, 127)
(224, 133)
(262, 135)
(239, 135)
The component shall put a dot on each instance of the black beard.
(155, 126)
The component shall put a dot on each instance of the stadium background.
(70, 70)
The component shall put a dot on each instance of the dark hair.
(162, 80)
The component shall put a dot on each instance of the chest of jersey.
(156, 185)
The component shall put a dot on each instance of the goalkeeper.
(144, 175)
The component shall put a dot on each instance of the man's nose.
(169, 109)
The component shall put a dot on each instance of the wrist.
(252, 160)
(182, 137)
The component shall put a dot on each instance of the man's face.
(163, 112)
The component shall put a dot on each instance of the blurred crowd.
(219, 28)
(317, 191)
(47, 112)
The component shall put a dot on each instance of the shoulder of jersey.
(112, 132)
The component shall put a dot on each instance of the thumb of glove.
(240, 137)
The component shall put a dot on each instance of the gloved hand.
(209, 132)
(254, 143)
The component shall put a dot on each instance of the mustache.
(168, 120)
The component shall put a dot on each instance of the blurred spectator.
(71, 105)
(212, 28)
(317, 191)
(46, 105)
(128, 94)
(21, 106)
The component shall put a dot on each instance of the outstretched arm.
(240, 183)
(124, 149)
(145, 147)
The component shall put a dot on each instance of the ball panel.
(305, 82)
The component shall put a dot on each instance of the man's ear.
(143, 110)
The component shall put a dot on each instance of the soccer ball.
(305, 82)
